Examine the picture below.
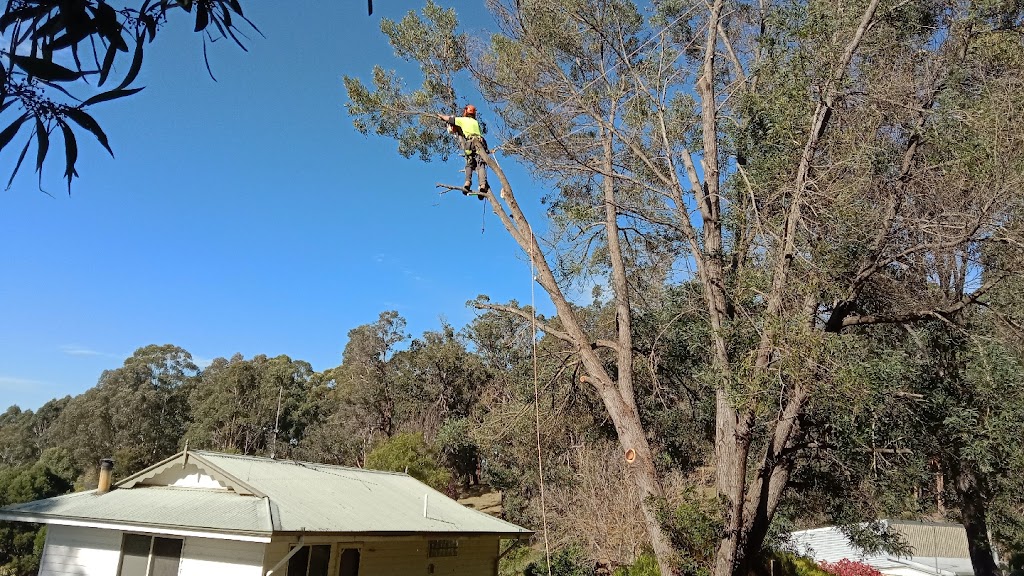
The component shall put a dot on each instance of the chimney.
(106, 467)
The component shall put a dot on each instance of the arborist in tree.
(467, 129)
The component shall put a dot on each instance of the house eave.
(294, 535)
(242, 536)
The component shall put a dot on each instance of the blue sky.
(243, 215)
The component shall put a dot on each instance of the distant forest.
(459, 410)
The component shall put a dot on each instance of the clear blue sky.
(243, 215)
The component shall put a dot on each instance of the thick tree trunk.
(731, 449)
(974, 512)
(632, 437)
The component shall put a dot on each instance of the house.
(205, 513)
(937, 549)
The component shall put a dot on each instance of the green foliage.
(136, 414)
(409, 453)
(367, 379)
(514, 561)
(20, 543)
(256, 406)
(387, 110)
(694, 526)
(786, 564)
(570, 561)
(458, 449)
(645, 565)
(48, 96)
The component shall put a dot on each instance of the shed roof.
(265, 496)
(936, 548)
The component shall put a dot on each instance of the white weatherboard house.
(210, 514)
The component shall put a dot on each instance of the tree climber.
(467, 129)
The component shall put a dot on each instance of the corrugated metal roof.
(215, 510)
(827, 544)
(299, 496)
(830, 544)
(319, 497)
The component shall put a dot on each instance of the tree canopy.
(814, 174)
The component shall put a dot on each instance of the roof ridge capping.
(306, 463)
(937, 523)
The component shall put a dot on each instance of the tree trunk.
(616, 393)
(630, 429)
(631, 436)
(731, 448)
(974, 512)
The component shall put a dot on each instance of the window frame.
(309, 557)
(149, 554)
(443, 548)
(341, 549)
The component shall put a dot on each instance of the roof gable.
(188, 470)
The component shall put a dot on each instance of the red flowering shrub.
(849, 568)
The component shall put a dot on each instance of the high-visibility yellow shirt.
(469, 126)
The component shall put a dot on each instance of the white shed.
(205, 513)
(937, 549)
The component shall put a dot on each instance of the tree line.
(915, 423)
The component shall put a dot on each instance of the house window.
(440, 548)
(310, 561)
(349, 564)
(149, 556)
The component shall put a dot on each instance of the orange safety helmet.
(470, 110)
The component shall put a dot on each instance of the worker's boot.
(467, 188)
(483, 191)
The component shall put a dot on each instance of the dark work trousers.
(475, 162)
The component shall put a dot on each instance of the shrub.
(694, 527)
(645, 565)
(847, 567)
(570, 561)
(786, 564)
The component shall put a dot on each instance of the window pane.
(319, 560)
(134, 555)
(297, 564)
(166, 555)
(441, 548)
(349, 565)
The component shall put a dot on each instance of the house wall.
(73, 551)
(931, 540)
(205, 557)
(477, 556)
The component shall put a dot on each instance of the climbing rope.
(536, 399)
